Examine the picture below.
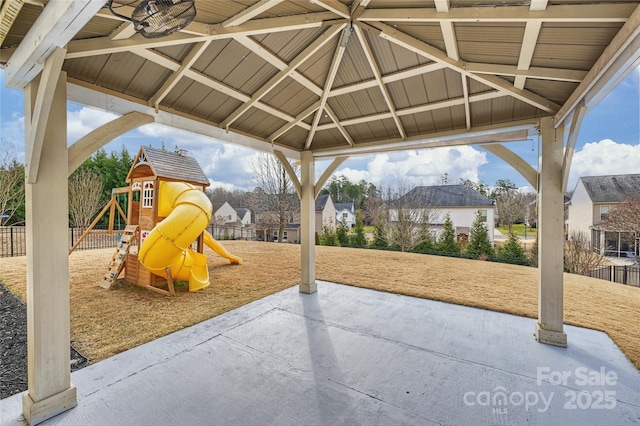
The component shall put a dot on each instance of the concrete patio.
(347, 355)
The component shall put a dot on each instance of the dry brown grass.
(104, 323)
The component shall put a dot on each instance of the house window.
(147, 195)
(604, 212)
(483, 215)
(344, 216)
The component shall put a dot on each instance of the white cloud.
(84, 120)
(223, 185)
(604, 158)
(425, 167)
(353, 175)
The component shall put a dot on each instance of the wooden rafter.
(104, 45)
(333, 70)
(56, 26)
(250, 12)
(174, 78)
(334, 6)
(529, 43)
(574, 13)
(397, 37)
(276, 79)
(210, 82)
(378, 77)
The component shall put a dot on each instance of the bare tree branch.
(85, 197)
(12, 182)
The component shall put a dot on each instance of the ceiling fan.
(159, 18)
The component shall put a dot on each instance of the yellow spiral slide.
(187, 212)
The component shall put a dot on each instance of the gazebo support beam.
(83, 148)
(549, 328)
(307, 223)
(50, 391)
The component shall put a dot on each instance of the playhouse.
(167, 216)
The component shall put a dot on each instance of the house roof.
(241, 212)
(444, 196)
(321, 202)
(336, 77)
(168, 165)
(611, 188)
(344, 206)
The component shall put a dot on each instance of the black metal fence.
(625, 274)
(13, 239)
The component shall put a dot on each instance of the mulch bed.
(13, 345)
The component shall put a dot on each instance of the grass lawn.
(104, 323)
(518, 229)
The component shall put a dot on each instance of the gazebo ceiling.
(340, 77)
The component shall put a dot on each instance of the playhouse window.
(147, 195)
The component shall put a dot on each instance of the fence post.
(11, 239)
(624, 275)
(612, 273)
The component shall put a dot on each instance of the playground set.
(167, 216)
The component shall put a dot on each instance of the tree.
(328, 237)
(380, 238)
(511, 251)
(425, 236)
(579, 256)
(113, 169)
(479, 186)
(372, 208)
(358, 239)
(276, 196)
(409, 217)
(12, 182)
(447, 242)
(625, 217)
(236, 198)
(342, 232)
(342, 190)
(479, 242)
(85, 197)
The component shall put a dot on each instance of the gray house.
(460, 202)
(592, 200)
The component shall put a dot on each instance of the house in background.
(461, 202)
(346, 212)
(244, 216)
(223, 213)
(230, 223)
(592, 200)
(267, 221)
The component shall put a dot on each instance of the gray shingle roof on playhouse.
(447, 196)
(172, 165)
(611, 188)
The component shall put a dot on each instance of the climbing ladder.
(119, 257)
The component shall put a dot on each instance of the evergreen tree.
(512, 250)
(425, 237)
(358, 239)
(479, 243)
(328, 237)
(342, 232)
(380, 238)
(447, 242)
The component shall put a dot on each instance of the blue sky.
(608, 143)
